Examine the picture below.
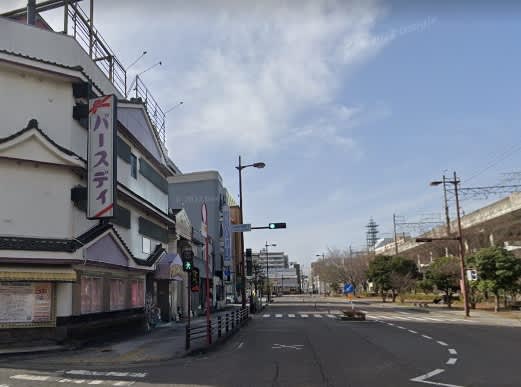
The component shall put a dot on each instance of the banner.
(101, 161)
(25, 302)
(227, 235)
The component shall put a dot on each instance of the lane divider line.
(410, 330)
(452, 361)
(442, 343)
(427, 337)
(452, 351)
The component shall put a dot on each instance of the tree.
(498, 270)
(379, 272)
(404, 273)
(444, 273)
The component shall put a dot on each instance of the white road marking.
(452, 361)
(391, 324)
(401, 318)
(265, 315)
(410, 330)
(442, 343)
(4, 385)
(304, 316)
(427, 337)
(422, 379)
(297, 347)
(331, 316)
(400, 327)
(39, 378)
(452, 351)
(291, 315)
(104, 373)
(433, 319)
(44, 378)
(240, 345)
(317, 315)
(404, 312)
(278, 316)
(364, 311)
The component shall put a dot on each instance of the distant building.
(276, 259)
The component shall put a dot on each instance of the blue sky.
(354, 106)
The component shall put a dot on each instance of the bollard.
(218, 326)
(227, 322)
(187, 337)
(209, 330)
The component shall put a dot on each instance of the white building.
(62, 274)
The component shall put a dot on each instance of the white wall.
(141, 186)
(132, 236)
(63, 299)
(48, 100)
(35, 199)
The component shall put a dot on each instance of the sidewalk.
(166, 341)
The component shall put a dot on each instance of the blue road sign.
(348, 288)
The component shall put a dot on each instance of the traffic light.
(472, 275)
(194, 279)
(249, 263)
(273, 226)
(188, 260)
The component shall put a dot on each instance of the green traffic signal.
(273, 226)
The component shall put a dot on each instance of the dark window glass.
(133, 166)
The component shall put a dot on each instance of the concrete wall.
(140, 185)
(47, 99)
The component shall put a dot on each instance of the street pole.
(395, 238)
(463, 283)
(447, 218)
(267, 274)
(243, 266)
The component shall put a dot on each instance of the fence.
(218, 327)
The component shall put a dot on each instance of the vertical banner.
(227, 235)
(101, 157)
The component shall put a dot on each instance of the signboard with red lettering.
(101, 158)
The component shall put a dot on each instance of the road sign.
(348, 288)
(241, 227)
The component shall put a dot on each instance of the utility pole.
(461, 249)
(243, 265)
(395, 237)
(447, 218)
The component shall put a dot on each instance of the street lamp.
(459, 238)
(267, 268)
(240, 167)
(323, 259)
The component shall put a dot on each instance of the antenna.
(150, 68)
(173, 107)
(137, 60)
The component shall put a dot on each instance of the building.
(276, 260)
(286, 281)
(190, 191)
(61, 274)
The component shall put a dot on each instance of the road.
(299, 342)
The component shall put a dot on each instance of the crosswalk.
(404, 316)
(74, 377)
(301, 315)
(379, 315)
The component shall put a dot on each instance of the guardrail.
(218, 327)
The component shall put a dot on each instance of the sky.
(354, 106)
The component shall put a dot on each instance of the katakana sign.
(100, 157)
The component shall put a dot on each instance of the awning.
(37, 273)
(170, 268)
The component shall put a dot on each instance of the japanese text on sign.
(101, 163)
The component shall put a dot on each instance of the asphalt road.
(297, 342)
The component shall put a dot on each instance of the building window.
(146, 245)
(91, 295)
(117, 294)
(137, 294)
(133, 166)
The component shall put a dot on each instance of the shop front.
(31, 297)
(170, 280)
